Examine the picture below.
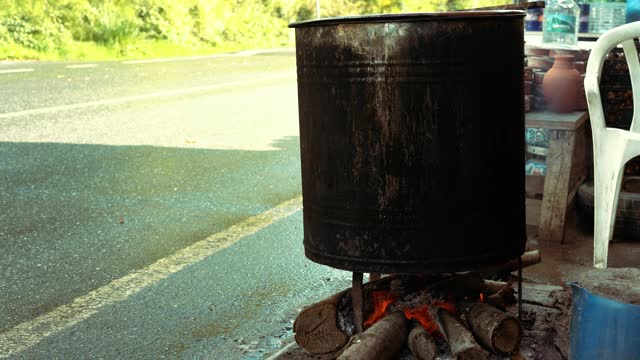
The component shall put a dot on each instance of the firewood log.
(499, 297)
(460, 340)
(458, 286)
(421, 344)
(529, 258)
(490, 287)
(472, 282)
(383, 340)
(316, 327)
(494, 329)
(496, 301)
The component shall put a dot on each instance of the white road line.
(281, 351)
(179, 58)
(263, 51)
(11, 71)
(212, 56)
(158, 94)
(81, 66)
(28, 334)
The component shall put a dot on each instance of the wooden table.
(566, 167)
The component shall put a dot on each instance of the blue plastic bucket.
(602, 328)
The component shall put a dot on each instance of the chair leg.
(616, 198)
(606, 192)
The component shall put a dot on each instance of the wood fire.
(461, 315)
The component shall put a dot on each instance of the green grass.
(141, 49)
(126, 29)
(134, 29)
(12, 51)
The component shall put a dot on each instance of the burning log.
(497, 331)
(316, 327)
(383, 340)
(320, 328)
(421, 343)
(461, 342)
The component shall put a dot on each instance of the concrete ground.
(573, 259)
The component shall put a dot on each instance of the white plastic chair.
(612, 147)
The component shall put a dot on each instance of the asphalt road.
(152, 209)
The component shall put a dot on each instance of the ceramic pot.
(535, 51)
(561, 85)
(540, 62)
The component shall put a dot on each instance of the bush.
(164, 20)
(108, 26)
(130, 26)
(40, 34)
(207, 22)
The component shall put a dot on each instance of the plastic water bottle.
(633, 11)
(533, 19)
(584, 17)
(560, 24)
(606, 15)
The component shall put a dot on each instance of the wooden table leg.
(556, 185)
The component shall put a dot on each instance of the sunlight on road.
(239, 118)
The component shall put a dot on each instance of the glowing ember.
(424, 318)
(381, 300)
(481, 297)
(446, 305)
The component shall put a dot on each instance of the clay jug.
(561, 84)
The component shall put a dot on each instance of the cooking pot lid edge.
(409, 17)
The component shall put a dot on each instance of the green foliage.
(163, 20)
(130, 28)
(207, 22)
(383, 6)
(108, 26)
(34, 33)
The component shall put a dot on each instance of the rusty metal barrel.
(412, 140)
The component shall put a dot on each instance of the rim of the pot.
(410, 17)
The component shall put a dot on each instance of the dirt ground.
(547, 312)
(572, 261)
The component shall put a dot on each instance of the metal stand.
(356, 296)
(519, 288)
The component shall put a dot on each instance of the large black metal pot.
(412, 140)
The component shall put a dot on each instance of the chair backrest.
(622, 35)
